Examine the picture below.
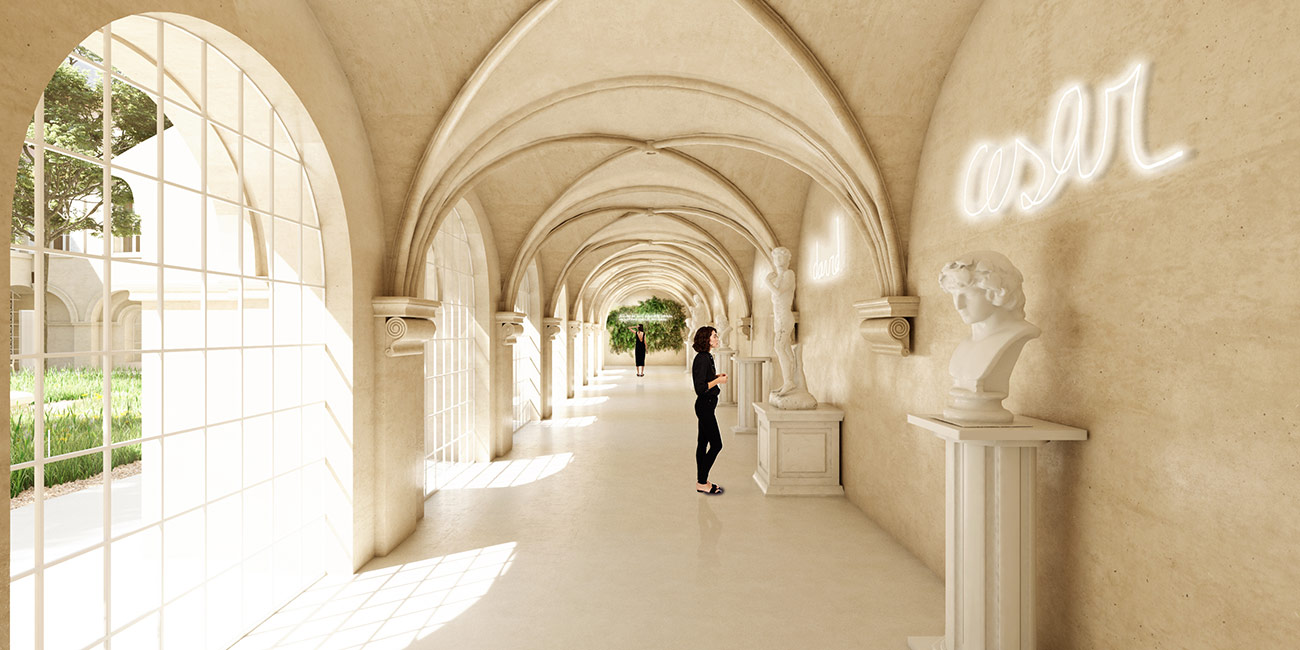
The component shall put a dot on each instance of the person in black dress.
(706, 380)
(640, 349)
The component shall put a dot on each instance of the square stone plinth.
(799, 451)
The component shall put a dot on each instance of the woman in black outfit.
(640, 349)
(707, 380)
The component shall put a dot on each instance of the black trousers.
(710, 439)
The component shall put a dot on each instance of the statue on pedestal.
(986, 290)
(793, 393)
(699, 313)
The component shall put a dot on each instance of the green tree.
(73, 188)
(660, 334)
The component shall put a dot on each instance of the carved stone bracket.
(886, 325)
(745, 326)
(408, 322)
(575, 329)
(511, 325)
(553, 327)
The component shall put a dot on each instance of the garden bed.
(28, 497)
(74, 421)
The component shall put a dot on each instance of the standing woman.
(707, 380)
(640, 349)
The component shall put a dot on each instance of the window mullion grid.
(106, 337)
(245, 207)
(38, 381)
(62, 150)
(204, 200)
(160, 293)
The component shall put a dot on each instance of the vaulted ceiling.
(620, 144)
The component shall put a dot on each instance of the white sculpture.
(793, 393)
(724, 332)
(986, 290)
(699, 314)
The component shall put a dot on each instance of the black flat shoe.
(714, 489)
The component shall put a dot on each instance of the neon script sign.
(833, 263)
(1035, 175)
(644, 318)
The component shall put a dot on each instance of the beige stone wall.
(1168, 307)
(894, 474)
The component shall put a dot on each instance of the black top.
(703, 372)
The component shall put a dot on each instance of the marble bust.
(986, 290)
(793, 393)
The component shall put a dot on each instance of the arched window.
(165, 478)
(449, 384)
(527, 353)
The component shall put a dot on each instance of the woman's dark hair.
(702, 337)
(640, 327)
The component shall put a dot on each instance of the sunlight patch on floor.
(587, 401)
(508, 473)
(568, 423)
(384, 609)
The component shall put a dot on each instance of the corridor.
(590, 535)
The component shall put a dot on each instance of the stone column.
(989, 546)
(399, 420)
(593, 335)
(551, 329)
(749, 390)
(509, 326)
(585, 350)
(602, 342)
(723, 356)
(573, 356)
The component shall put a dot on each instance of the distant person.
(640, 349)
(707, 380)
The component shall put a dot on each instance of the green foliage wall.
(667, 334)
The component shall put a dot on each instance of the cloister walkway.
(591, 535)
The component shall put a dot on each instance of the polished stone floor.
(590, 535)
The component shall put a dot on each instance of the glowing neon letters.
(993, 174)
(644, 318)
(834, 263)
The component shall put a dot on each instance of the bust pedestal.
(727, 396)
(990, 474)
(799, 451)
(749, 390)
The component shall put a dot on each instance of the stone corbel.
(511, 325)
(745, 326)
(407, 321)
(575, 329)
(886, 323)
(553, 327)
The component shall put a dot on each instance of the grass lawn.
(74, 421)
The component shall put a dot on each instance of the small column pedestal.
(727, 396)
(749, 390)
(799, 451)
(990, 476)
